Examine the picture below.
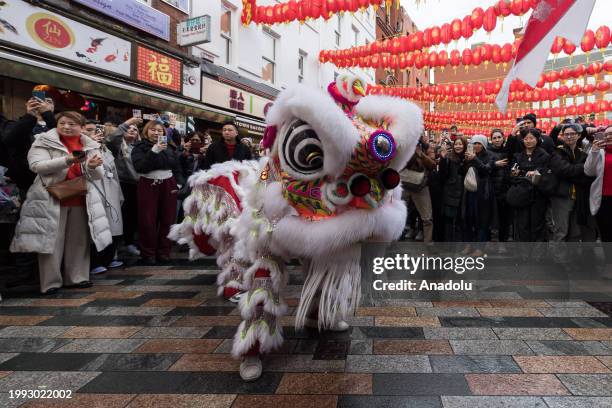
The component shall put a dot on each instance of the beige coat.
(36, 230)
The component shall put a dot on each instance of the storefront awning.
(40, 71)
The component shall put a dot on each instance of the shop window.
(268, 71)
(226, 34)
(301, 62)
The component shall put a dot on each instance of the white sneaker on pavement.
(251, 368)
(98, 270)
(115, 264)
(132, 250)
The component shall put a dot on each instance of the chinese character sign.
(236, 101)
(158, 69)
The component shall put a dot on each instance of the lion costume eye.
(302, 149)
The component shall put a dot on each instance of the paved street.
(159, 337)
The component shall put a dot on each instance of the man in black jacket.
(570, 203)
(226, 149)
(19, 138)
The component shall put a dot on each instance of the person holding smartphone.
(228, 148)
(160, 179)
(599, 165)
(60, 231)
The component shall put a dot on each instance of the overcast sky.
(438, 12)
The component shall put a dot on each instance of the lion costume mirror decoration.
(327, 184)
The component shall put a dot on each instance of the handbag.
(521, 192)
(471, 180)
(68, 188)
(413, 180)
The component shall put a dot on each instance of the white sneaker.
(98, 270)
(115, 264)
(132, 250)
(250, 368)
(340, 326)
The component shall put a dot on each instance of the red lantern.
(456, 29)
(487, 52)
(607, 66)
(504, 8)
(496, 54)
(588, 88)
(506, 53)
(291, 12)
(435, 35)
(516, 7)
(466, 57)
(602, 37)
(490, 20)
(427, 38)
(603, 86)
(445, 34)
(477, 18)
(557, 46)
(396, 45)
(332, 6)
(477, 56)
(443, 58)
(455, 58)
(466, 27)
(564, 74)
(575, 90)
(578, 71)
(588, 41)
(569, 47)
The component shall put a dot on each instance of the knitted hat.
(482, 139)
(532, 118)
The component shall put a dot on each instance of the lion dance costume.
(327, 184)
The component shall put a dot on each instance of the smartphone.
(78, 154)
(470, 148)
(162, 139)
(99, 128)
(599, 136)
(136, 113)
(42, 95)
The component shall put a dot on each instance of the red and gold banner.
(158, 69)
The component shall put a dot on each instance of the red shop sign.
(158, 69)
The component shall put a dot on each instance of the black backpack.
(521, 192)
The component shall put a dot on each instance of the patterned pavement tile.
(33, 344)
(447, 311)
(301, 363)
(294, 401)
(171, 333)
(567, 303)
(136, 311)
(101, 346)
(578, 402)
(183, 401)
(398, 311)
(569, 348)
(508, 322)
(391, 332)
(515, 384)
(332, 383)
(6, 356)
(98, 321)
(412, 347)
(361, 347)
(478, 347)
(56, 380)
(587, 384)
(512, 333)
(132, 362)
(115, 295)
(206, 362)
(459, 333)
(102, 332)
(376, 401)
(420, 384)
(492, 402)
(173, 303)
(571, 312)
(60, 302)
(33, 331)
(84, 400)
(419, 321)
(194, 321)
(509, 312)
(607, 360)
(387, 364)
(22, 320)
(49, 362)
(518, 303)
(590, 334)
(179, 346)
(462, 303)
(473, 364)
(560, 364)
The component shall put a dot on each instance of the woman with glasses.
(599, 165)
(570, 201)
(121, 143)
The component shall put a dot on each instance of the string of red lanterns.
(497, 54)
(303, 10)
(445, 33)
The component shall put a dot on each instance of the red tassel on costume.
(201, 242)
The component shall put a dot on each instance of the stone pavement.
(159, 337)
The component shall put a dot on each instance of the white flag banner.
(550, 18)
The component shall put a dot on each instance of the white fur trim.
(259, 331)
(249, 301)
(335, 130)
(406, 123)
(350, 78)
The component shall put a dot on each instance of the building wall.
(308, 38)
